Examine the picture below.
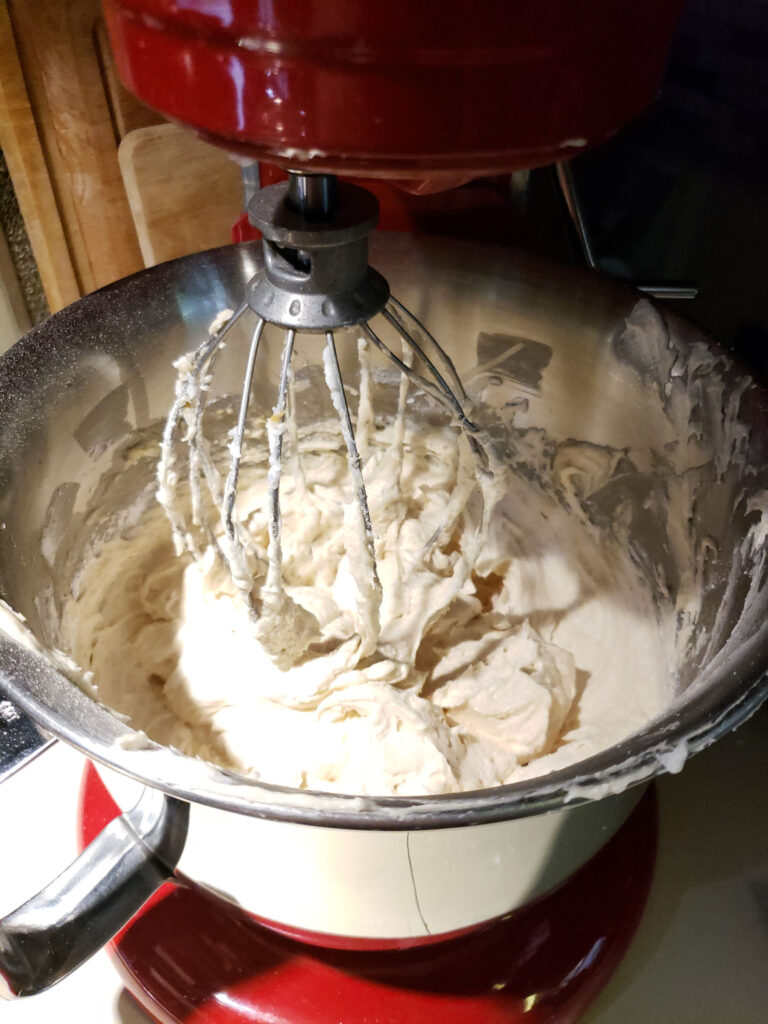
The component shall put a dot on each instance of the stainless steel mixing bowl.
(585, 359)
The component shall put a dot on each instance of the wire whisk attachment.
(315, 281)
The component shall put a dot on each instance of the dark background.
(682, 193)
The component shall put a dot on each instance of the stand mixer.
(223, 69)
(418, 96)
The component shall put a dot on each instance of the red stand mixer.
(418, 101)
(427, 97)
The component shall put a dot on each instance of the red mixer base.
(192, 957)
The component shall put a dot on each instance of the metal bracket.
(316, 274)
(572, 199)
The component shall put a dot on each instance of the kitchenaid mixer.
(384, 93)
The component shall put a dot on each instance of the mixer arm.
(91, 900)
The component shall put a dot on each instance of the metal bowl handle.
(91, 900)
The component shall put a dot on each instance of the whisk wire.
(338, 397)
(404, 315)
(364, 571)
(408, 338)
(275, 432)
(235, 553)
(191, 393)
(216, 339)
(422, 382)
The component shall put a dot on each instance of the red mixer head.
(437, 91)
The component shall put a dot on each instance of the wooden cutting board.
(22, 146)
(69, 110)
(184, 194)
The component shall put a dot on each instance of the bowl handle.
(91, 900)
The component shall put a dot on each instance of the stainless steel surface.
(20, 738)
(74, 916)
(102, 370)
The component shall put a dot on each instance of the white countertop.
(700, 955)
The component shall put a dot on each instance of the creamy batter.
(511, 639)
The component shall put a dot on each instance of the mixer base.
(190, 956)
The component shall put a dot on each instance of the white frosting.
(512, 635)
(515, 636)
(510, 640)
